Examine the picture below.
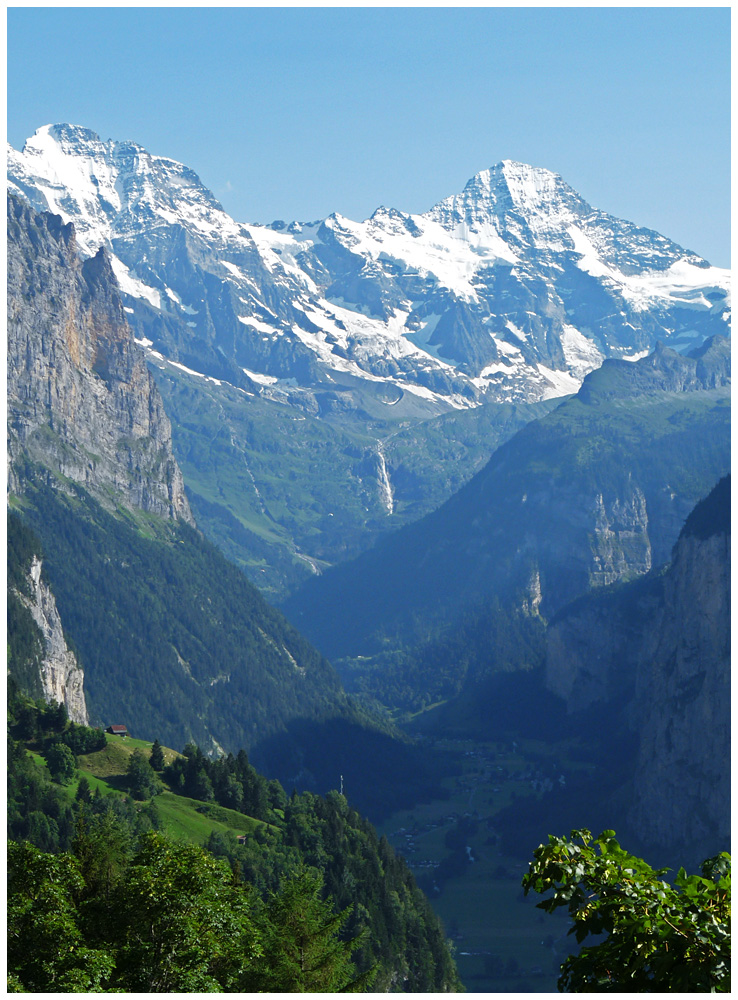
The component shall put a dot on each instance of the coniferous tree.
(157, 757)
(83, 793)
(142, 779)
(303, 950)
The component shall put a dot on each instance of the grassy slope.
(182, 818)
(113, 760)
(276, 489)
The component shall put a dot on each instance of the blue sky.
(295, 113)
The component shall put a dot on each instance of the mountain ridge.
(513, 289)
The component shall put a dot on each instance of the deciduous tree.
(46, 950)
(658, 937)
(61, 763)
(187, 927)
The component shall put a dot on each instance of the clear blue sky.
(295, 113)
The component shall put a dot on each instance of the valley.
(502, 942)
(411, 535)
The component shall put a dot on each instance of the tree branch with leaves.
(657, 936)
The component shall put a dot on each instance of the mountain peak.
(104, 185)
(513, 174)
(508, 188)
(499, 289)
(529, 189)
(53, 143)
(62, 131)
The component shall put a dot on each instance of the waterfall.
(385, 487)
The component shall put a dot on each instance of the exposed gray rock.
(62, 678)
(81, 401)
(658, 650)
(682, 703)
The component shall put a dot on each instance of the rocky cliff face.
(593, 646)
(81, 402)
(62, 678)
(660, 649)
(682, 701)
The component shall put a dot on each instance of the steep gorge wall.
(81, 402)
(659, 648)
(682, 701)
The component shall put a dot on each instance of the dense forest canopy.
(307, 899)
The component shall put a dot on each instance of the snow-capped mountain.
(513, 289)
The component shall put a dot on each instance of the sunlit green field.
(182, 818)
(113, 759)
(188, 819)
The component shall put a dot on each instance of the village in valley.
(457, 855)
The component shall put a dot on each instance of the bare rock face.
(659, 649)
(81, 402)
(682, 780)
(593, 648)
(620, 543)
(62, 678)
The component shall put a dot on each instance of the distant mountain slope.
(286, 494)
(327, 350)
(514, 288)
(173, 639)
(594, 492)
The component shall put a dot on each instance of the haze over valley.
(352, 565)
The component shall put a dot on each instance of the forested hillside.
(172, 638)
(176, 643)
(594, 492)
(306, 897)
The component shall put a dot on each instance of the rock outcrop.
(658, 650)
(682, 698)
(62, 678)
(81, 401)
